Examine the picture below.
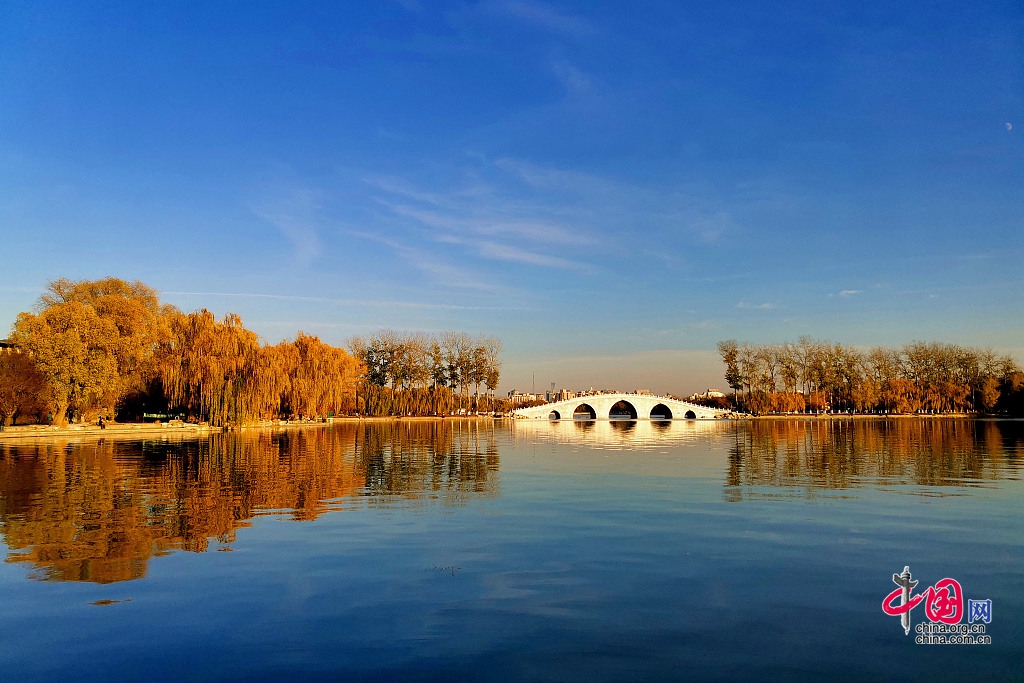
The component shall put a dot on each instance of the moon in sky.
(1009, 127)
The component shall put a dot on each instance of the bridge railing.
(696, 407)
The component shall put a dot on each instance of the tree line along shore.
(110, 349)
(812, 376)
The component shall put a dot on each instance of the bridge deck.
(630, 406)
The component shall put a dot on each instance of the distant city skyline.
(610, 189)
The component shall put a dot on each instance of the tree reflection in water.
(771, 458)
(97, 511)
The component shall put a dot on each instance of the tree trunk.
(60, 413)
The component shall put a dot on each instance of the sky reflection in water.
(430, 549)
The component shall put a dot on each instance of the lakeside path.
(134, 430)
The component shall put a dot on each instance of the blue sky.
(611, 188)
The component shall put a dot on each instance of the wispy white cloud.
(764, 307)
(575, 81)
(540, 15)
(850, 292)
(438, 269)
(400, 186)
(710, 228)
(294, 214)
(602, 199)
(485, 223)
(539, 230)
(547, 177)
(539, 216)
(368, 303)
(504, 252)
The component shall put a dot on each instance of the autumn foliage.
(420, 374)
(820, 376)
(110, 348)
(22, 387)
(95, 512)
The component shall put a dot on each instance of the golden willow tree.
(219, 371)
(322, 379)
(102, 347)
(919, 377)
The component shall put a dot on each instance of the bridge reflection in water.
(98, 510)
(622, 433)
(787, 458)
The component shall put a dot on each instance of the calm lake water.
(563, 551)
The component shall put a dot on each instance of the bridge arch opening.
(584, 412)
(690, 415)
(623, 410)
(554, 415)
(661, 412)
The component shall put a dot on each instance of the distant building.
(6, 346)
(592, 392)
(517, 398)
(710, 393)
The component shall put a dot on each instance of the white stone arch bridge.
(621, 407)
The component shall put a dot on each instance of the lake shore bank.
(869, 416)
(132, 430)
(180, 429)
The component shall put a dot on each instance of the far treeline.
(109, 348)
(818, 376)
(421, 374)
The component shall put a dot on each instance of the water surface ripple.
(424, 550)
